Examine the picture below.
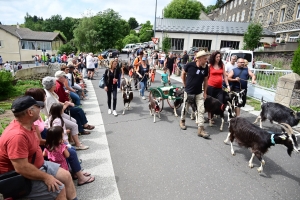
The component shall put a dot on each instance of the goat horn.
(285, 128)
(229, 103)
(289, 127)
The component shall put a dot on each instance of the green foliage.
(5, 105)
(219, 3)
(68, 48)
(3, 124)
(133, 23)
(296, 61)
(166, 43)
(209, 8)
(256, 104)
(130, 39)
(21, 86)
(146, 32)
(252, 36)
(279, 62)
(62, 34)
(6, 86)
(183, 9)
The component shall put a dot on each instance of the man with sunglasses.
(239, 79)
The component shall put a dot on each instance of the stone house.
(212, 35)
(21, 44)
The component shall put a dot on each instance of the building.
(137, 29)
(21, 44)
(281, 17)
(213, 35)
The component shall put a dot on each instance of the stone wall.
(287, 55)
(37, 73)
(288, 90)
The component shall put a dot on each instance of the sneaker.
(115, 113)
(109, 111)
(144, 97)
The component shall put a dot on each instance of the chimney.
(18, 27)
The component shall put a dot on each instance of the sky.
(13, 11)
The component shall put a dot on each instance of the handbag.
(15, 185)
(101, 82)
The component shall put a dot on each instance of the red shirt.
(215, 77)
(17, 142)
(61, 93)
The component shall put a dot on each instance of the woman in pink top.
(216, 74)
(56, 150)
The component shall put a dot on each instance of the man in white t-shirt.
(90, 66)
(7, 66)
(162, 59)
(231, 65)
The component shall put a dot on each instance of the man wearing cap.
(20, 151)
(194, 74)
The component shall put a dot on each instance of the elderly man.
(90, 66)
(194, 74)
(239, 78)
(19, 144)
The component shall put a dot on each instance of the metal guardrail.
(268, 78)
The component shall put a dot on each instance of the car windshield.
(246, 56)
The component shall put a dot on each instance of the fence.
(266, 83)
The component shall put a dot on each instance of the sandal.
(81, 147)
(89, 127)
(85, 133)
(90, 180)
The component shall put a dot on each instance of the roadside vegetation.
(276, 61)
(254, 103)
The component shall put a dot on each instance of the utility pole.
(155, 21)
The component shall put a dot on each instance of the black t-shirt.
(185, 58)
(195, 78)
(170, 62)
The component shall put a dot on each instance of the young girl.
(56, 150)
(165, 78)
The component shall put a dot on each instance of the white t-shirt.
(229, 67)
(90, 62)
(162, 56)
(7, 66)
(96, 60)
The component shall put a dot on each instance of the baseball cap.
(202, 53)
(144, 58)
(23, 103)
(59, 74)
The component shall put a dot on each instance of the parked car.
(193, 49)
(248, 55)
(112, 53)
(128, 48)
(146, 45)
(138, 45)
(104, 54)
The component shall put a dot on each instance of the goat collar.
(272, 139)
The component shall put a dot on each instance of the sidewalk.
(97, 159)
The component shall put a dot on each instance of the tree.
(133, 23)
(131, 39)
(219, 3)
(68, 48)
(296, 61)
(55, 22)
(183, 9)
(146, 32)
(253, 35)
(209, 8)
(166, 43)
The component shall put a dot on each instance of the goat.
(154, 107)
(127, 93)
(237, 97)
(250, 136)
(215, 107)
(278, 113)
(179, 95)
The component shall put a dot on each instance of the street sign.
(155, 40)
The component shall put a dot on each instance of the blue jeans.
(75, 98)
(119, 81)
(112, 90)
(143, 84)
(79, 116)
(73, 161)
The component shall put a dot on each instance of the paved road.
(160, 161)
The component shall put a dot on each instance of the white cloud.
(13, 11)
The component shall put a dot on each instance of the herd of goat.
(245, 133)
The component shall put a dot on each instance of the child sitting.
(56, 150)
(165, 78)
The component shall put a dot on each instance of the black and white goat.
(278, 113)
(154, 107)
(127, 93)
(251, 136)
(215, 107)
(237, 97)
(179, 95)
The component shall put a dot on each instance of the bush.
(21, 86)
(6, 84)
(166, 44)
(296, 61)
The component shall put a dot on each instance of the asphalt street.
(160, 161)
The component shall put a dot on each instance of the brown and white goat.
(154, 107)
(127, 93)
(251, 136)
(278, 113)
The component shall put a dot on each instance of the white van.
(128, 48)
(248, 55)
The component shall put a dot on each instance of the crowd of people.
(47, 125)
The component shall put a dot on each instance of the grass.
(254, 103)
(276, 61)
(3, 124)
(268, 81)
(5, 105)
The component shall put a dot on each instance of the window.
(238, 17)
(260, 19)
(240, 1)
(271, 17)
(262, 3)
(33, 45)
(298, 11)
(229, 18)
(205, 44)
(282, 15)
(243, 16)
(231, 5)
(177, 43)
(29, 45)
(294, 37)
(231, 44)
(233, 17)
(235, 2)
